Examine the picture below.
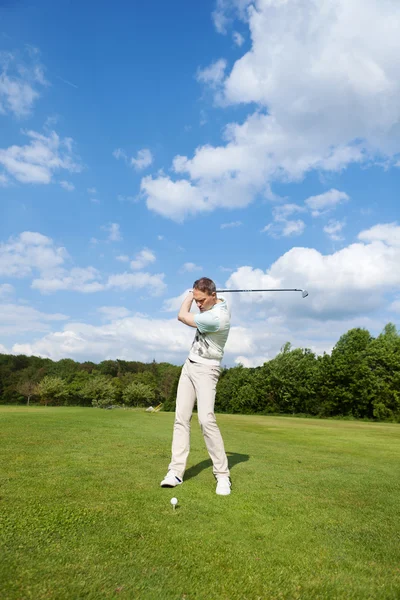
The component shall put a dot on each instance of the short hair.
(204, 284)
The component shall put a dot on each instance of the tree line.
(360, 378)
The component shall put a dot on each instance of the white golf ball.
(174, 501)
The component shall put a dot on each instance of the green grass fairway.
(314, 513)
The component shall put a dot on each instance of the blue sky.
(144, 145)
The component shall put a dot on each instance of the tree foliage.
(359, 379)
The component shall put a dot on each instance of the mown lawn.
(314, 513)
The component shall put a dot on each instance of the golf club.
(304, 293)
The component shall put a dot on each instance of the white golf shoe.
(223, 486)
(170, 480)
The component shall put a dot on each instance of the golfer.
(199, 379)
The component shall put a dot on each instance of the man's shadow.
(233, 459)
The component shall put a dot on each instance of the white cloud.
(21, 80)
(127, 281)
(31, 251)
(351, 281)
(284, 211)
(190, 267)
(4, 181)
(225, 11)
(28, 252)
(214, 74)
(344, 287)
(114, 234)
(333, 230)
(40, 159)
(89, 280)
(92, 190)
(85, 280)
(113, 313)
(143, 258)
(282, 226)
(388, 233)
(231, 224)
(143, 159)
(324, 202)
(67, 186)
(174, 304)
(293, 228)
(6, 289)
(174, 200)
(123, 258)
(238, 38)
(395, 306)
(326, 94)
(253, 361)
(119, 153)
(16, 319)
(129, 338)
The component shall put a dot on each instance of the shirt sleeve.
(207, 322)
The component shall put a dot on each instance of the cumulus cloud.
(214, 74)
(325, 202)
(6, 290)
(143, 159)
(37, 161)
(113, 313)
(143, 258)
(89, 280)
(67, 185)
(128, 338)
(282, 225)
(17, 319)
(238, 38)
(30, 251)
(114, 233)
(21, 82)
(326, 94)
(334, 229)
(190, 267)
(346, 287)
(348, 282)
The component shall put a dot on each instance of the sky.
(144, 145)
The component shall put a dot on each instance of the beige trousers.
(197, 381)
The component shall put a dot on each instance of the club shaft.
(269, 290)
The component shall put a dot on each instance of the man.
(199, 379)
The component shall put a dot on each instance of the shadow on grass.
(233, 459)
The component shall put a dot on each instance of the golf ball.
(174, 501)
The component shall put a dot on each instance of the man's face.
(203, 300)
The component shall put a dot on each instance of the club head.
(304, 293)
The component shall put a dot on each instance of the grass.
(314, 512)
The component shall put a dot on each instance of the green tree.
(348, 385)
(138, 394)
(52, 390)
(100, 391)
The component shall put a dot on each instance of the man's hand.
(184, 315)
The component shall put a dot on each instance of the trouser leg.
(205, 380)
(185, 399)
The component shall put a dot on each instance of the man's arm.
(184, 315)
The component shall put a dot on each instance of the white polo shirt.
(212, 332)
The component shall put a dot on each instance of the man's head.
(204, 293)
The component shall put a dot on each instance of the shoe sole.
(168, 485)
